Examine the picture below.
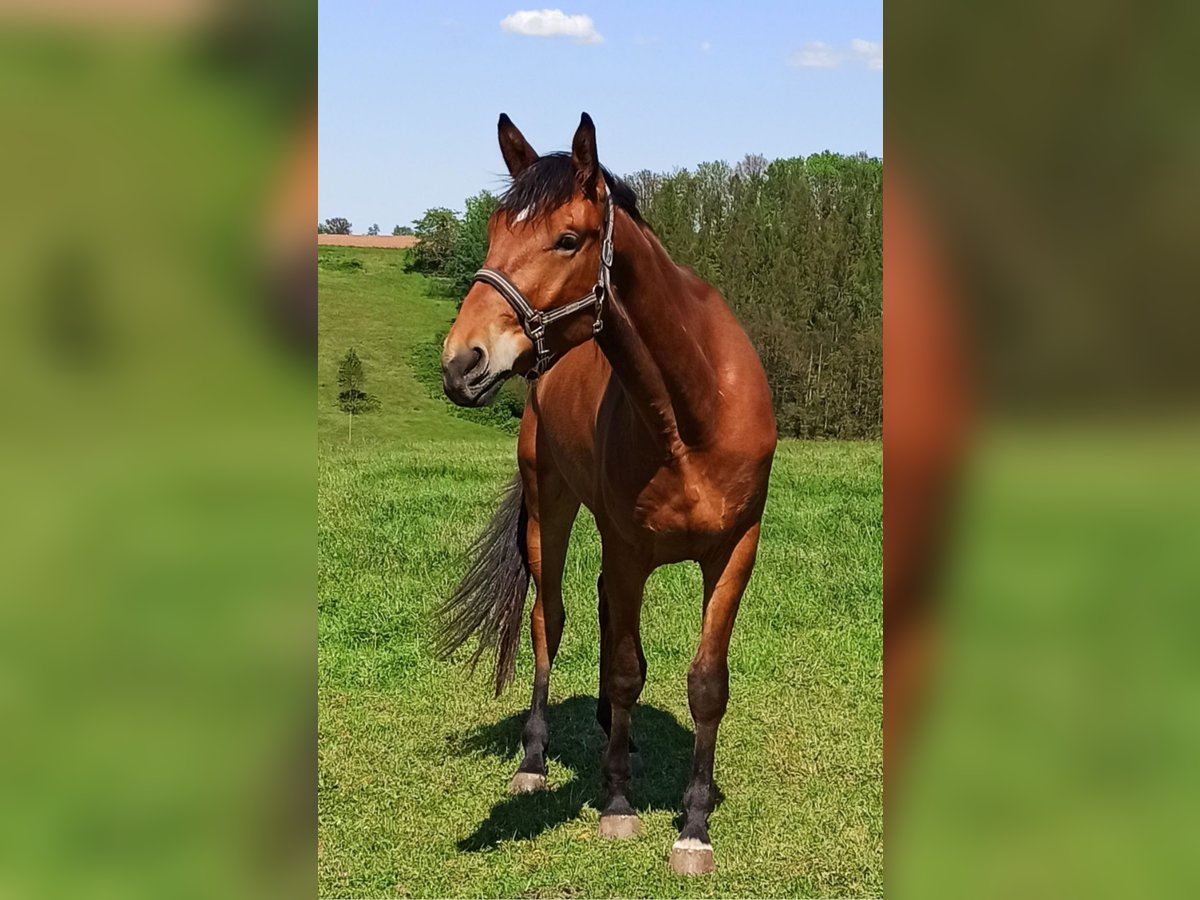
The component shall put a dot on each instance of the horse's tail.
(490, 598)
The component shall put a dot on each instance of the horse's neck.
(653, 338)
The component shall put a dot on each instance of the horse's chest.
(679, 507)
(669, 504)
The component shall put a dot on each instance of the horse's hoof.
(527, 783)
(620, 828)
(692, 857)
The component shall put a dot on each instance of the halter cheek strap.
(534, 322)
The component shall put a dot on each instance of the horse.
(647, 404)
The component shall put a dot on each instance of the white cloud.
(868, 52)
(819, 55)
(815, 55)
(705, 46)
(552, 23)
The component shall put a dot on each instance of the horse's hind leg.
(725, 579)
(551, 510)
(624, 674)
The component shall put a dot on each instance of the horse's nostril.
(466, 367)
(478, 363)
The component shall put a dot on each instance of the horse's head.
(545, 240)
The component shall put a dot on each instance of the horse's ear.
(583, 154)
(517, 153)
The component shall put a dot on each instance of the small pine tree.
(351, 397)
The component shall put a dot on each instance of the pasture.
(415, 755)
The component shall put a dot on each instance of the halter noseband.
(535, 322)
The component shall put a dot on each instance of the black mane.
(550, 183)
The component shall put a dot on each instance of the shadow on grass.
(577, 743)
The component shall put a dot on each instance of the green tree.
(402, 230)
(438, 232)
(337, 225)
(795, 246)
(373, 230)
(352, 399)
(471, 242)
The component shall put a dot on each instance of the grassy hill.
(395, 322)
(415, 755)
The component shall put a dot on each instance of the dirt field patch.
(388, 242)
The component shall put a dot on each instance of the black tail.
(490, 598)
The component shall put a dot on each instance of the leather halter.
(534, 322)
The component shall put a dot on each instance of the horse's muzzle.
(466, 378)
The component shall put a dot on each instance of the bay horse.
(648, 405)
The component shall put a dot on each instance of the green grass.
(395, 321)
(415, 755)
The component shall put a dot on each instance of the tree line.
(340, 225)
(794, 245)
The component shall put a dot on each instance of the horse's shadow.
(577, 743)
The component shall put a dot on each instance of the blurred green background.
(1050, 151)
(156, 623)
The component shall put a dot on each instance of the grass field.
(415, 755)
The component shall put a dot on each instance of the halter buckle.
(535, 326)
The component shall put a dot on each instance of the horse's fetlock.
(535, 733)
(700, 797)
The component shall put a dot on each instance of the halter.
(534, 322)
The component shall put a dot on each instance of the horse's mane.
(550, 182)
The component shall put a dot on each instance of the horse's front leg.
(603, 706)
(551, 512)
(725, 578)
(624, 674)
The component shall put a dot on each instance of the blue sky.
(410, 92)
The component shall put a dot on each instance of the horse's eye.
(567, 242)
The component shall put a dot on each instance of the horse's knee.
(708, 690)
(624, 691)
(625, 680)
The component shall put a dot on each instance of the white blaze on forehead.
(522, 215)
